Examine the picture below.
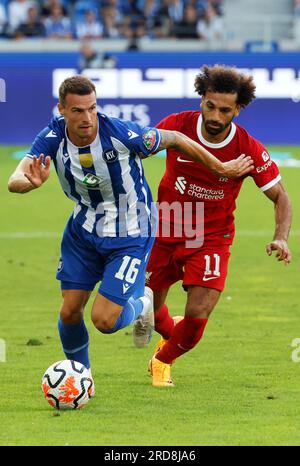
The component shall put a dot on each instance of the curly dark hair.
(223, 79)
(79, 85)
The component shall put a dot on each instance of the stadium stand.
(152, 24)
(110, 18)
(273, 22)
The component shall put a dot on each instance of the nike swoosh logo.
(184, 160)
(205, 279)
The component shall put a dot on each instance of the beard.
(216, 127)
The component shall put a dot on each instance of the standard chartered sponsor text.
(203, 193)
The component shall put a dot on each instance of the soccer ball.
(67, 385)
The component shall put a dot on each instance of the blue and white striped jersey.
(105, 179)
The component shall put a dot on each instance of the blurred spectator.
(133, 20)
(159, 22)
(218, 6)
(57, 25)
(17, 12)
(33, 26)
(48, 5)
(187, 28)
(89, 58)
(210, 27)
(111, 19)
(3, 21)
(297, 21)
(176, 10)
(133, 44)
(89, 28)
(202, 6)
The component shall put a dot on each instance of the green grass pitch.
(239, 386)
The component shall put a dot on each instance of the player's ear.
(60, 108)
(237, 110)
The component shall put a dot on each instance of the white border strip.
(211, 144)
(271, 184)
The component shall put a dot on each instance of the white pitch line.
(48, 234)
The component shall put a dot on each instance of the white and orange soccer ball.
(67, 385)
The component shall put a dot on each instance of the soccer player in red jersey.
(202, 264)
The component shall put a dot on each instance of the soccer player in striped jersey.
(202, 265)
(111, 231)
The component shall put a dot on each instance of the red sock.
(186, 334)
(164, 324)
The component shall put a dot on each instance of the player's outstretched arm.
(283, 220)
(232, 169)
(30, 174)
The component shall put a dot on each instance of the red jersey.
(187, 181)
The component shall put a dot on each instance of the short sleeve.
(266, 173)
(145, 140)
(171, 122)
(44, 143)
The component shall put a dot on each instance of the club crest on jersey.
(149, 139)
(110, 155)
(86, 160)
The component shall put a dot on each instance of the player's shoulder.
(179, 120)
(246, 140)
(54, 132)
(48, 139)
(115, 126)
(136, 138)
(128, 132)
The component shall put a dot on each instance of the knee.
(199, 311)
(71, 314)
(103, 323)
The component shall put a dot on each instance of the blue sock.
(75, 341)
(131, 311)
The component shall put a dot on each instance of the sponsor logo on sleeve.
(264, 167)
(149, 139)
(265, 156)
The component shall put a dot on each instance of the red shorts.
(171, 262)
